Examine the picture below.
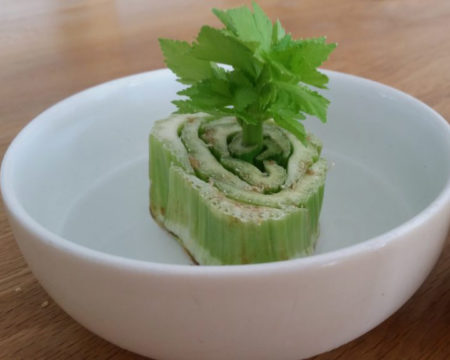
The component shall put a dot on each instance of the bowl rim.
(58, 242)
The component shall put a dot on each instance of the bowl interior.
(80, 169)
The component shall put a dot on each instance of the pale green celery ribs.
(225, 210)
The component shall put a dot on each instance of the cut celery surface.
(226, 210)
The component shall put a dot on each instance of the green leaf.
(185, 107)
(315, 51)
(226, 19)
(299, 59)
(243, 97)
(215, 45)
(209, 94)
(314, 78)
(188, 107)
(268, 73)
(239, 78)
(250, 28)
(305, 100)
(182, 63)
(263, 26)
(278, 32)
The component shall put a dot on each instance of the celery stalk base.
(219, 230)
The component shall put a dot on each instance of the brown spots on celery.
(194, 163)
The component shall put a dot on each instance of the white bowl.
(75, 186)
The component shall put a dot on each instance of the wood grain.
(51, 49)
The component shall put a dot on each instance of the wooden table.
(50, 49)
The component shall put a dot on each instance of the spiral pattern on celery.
(212, 146)
(210, 198)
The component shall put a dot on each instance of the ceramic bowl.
(75, 186)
